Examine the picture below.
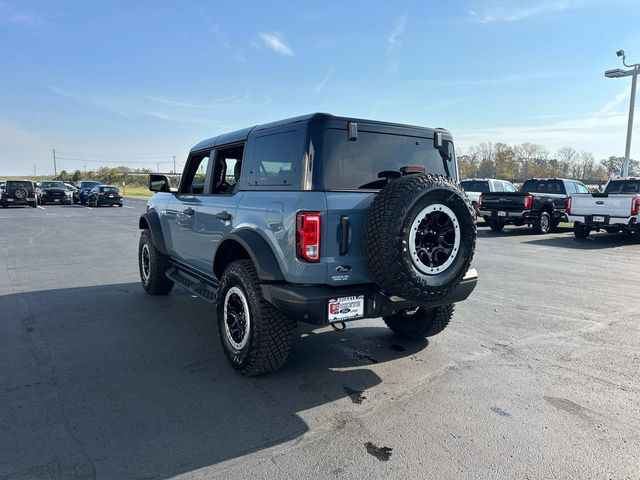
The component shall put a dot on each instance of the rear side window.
(543, 186)
(623, 186)
(508, 187)
(367, 162)
(571, 187)
(475, 186)
(497, 186)
(275, 159)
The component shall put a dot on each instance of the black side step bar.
(195, 284)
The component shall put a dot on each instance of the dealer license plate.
(502, 214)
(56, 199)
(346, 308)
(598, 218)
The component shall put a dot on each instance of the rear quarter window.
(276, 159)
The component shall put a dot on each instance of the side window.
(226, 172)
(509, 187)
(196, 174)
(275, 157)
(581, 188)
(571, 187)
(497, 186)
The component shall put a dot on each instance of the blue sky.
(135, 83)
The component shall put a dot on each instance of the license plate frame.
(598, 219)
(502, 214)
(343, 309)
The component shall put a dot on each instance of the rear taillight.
(100, 193)
(567, 205)
(480, 201)
(528, 202)
(635, 206)
(308, 236)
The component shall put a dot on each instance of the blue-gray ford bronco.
(319, 219)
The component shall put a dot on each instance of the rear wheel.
(420, 322)
(153, 266)
(255, 336)
(580, 230)
(543, 223)
(496, 226)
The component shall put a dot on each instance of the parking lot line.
(40, 206)
(126, 206)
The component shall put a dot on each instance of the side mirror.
(159, 183)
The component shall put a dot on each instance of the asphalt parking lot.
(538, 376)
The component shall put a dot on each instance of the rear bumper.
(110, 201)
(310, 304)
(15, 201)
(524, 216)
(588, 220)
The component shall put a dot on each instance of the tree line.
(527, 160)
(138, 177)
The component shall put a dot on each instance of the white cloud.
(319, 87)
(398, 30)
(8, 14)
(275, 43)
(510, 11)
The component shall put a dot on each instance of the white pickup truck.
(473, 187)
(616, 209)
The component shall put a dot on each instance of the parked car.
(318, 219)
(615, 210)
(541, 203)
(75, 192)
(85, 187)
(18, 192)
(55, 192)
(102, 195)
(473, 187)
(2, 185)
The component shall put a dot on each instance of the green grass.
(136, 192)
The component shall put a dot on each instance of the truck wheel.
(255, 336)
(420, 322)
(153, 267)
(419, 237)
(496, 226)
(542, 224)
(580, 230)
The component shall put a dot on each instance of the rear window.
(88, 184)
(623, 186)
(543, 186)
(14, 184)
(109, 189)
(365, 163)
(475, 186)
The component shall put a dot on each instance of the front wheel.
(419, 322)
(581, 231)
(255, 336)
(153, 266)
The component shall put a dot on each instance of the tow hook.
(339, 326)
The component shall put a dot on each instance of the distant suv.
(18, 192)
(541, 203)
(320, 219)
(84, 187)
(55, 192)
(474, 187)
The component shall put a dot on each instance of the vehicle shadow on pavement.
(511, 231)
(595, 241)
(111, 382)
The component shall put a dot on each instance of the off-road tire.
(157, 282)
(496, 226)
(387, 234)
(580, 230)
(423, 323)
(269, 342)
(540, 225)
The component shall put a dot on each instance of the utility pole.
(55, 168)
(174, 164)
(34, 170)
(158, 167)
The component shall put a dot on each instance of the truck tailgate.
(503, 201)
(601, 204)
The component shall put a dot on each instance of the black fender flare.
(151, 221)
(259, 252)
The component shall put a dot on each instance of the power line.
(107, 156)
(117, 162)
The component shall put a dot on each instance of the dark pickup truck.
(540, 203)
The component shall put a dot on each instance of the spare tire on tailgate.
(419, 237)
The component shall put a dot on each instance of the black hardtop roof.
(241, 135)
(539, 179)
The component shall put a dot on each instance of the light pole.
(633, 73)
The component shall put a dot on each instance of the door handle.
(189, 211)
(224, 216)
